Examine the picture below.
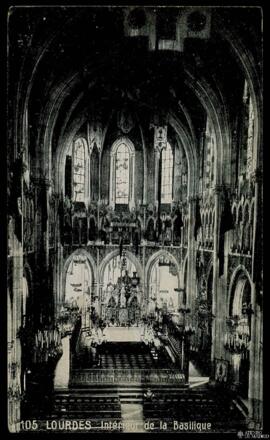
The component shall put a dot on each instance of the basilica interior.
(134, 217)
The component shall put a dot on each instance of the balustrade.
(80, 377)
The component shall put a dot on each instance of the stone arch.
(188, 144)
(240, 297)
(248, 65)
(240, 272)
(215, 110)
(115, 253)
(91, 267)
(122, 140)
(153, 259)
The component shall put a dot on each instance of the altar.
(123, 334)
(122, 294)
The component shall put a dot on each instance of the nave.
(134, 226)
(131, 387)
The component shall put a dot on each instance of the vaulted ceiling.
(76, 61)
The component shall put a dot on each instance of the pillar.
(191, 288)
(157, 165)
(256, 344)
(219, 305)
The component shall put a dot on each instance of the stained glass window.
(122, 175)
(250, 138)
(79, 171)
(166, 174)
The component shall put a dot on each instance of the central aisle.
(132, 417)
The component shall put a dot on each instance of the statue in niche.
(67, 216)
(178, 223)
(104, 228)
(84, 230)
(167, 231)
(76, 231)
(150, 230)
(92, 229)
(123, 298)
(160, 229)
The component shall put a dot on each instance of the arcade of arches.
(134, 214)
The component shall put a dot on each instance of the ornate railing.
(79, 377)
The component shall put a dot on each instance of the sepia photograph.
(135, 220)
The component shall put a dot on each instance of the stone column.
(191, 287)
(98, 303)
(219, 305)
(157, 165)
(99, 176)
(112, 180)
(144, 283)
(255, 393)
(98, 284)
(14, 357)
(59, 292)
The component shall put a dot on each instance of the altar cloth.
(123, 334)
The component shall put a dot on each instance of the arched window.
(122, 175)
(79, 173)
(166, 174)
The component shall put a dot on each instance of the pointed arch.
(129, 256)
(91, 265)
(234, 295)
(122, 172)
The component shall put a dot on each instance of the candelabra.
(68, 315)
(47, 345)
(237, 339)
